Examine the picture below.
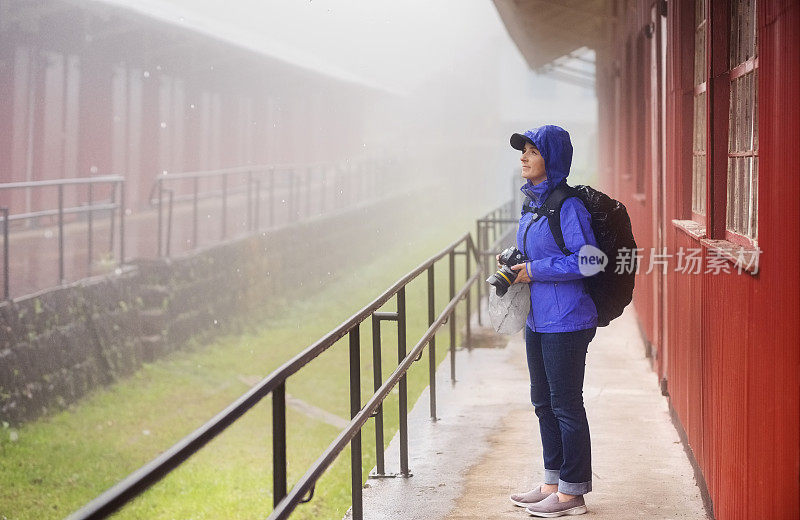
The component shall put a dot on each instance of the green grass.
(55, 465)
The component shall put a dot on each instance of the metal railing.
(336, 186)
(275, 385)
(253, 197)
(115, 204)
(495, 231)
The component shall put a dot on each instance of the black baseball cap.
(518, 141)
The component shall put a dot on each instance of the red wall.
(731, 348)
(773, 385)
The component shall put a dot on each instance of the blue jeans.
(557, 362)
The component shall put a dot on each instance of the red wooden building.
(91, 88)
(699, 125)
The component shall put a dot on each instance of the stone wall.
(58, 345)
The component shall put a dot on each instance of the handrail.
(117, 183)
(304, 485)
(497, 222)
(72, 210)
(257, 169)
(317, 348)
(141, 479)
(297, 181)
(63, 182)
(246, 169)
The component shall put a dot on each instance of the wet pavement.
(485, 444)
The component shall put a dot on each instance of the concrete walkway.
(485, 444)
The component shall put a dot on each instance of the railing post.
(469, 300)
(278, 443)
(90, 231)
(6, 245)
(377, 382)
(112, 217)
(169, 223)
(257, 215)
(478, 232)
(355, 407)
(402, 386)
(195, 209)
(249, 224)
(432, 344)
(452, 317)
(479, 264)
(272, 197)
(160, 216)
(60, 233)
(224, 206)
(121, 222)
(484, 247)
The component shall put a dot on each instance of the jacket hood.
(554, 144)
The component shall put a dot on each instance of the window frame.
(697, 90)
(719, 77)
(710, 230)
(740, 70)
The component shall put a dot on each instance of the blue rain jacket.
(559, 300)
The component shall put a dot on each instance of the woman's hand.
(522, 273)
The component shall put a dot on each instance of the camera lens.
(502, 279)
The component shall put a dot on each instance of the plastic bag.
(509, 312)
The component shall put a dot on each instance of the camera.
(505, 276)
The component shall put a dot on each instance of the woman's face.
(532, 164)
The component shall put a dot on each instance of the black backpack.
(610, 290)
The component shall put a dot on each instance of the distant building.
(91, 88)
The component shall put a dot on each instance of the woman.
(561, 323)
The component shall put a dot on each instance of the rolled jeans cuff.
(551, 476)
(570, 488)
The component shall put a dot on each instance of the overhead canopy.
(546, 30)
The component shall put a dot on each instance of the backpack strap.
(552, 210)
(538, 212)
(528, 207)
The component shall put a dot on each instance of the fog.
(414, 98)
(197, 190)
(455, 83)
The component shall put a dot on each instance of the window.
(699, 117)
(742, 197)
